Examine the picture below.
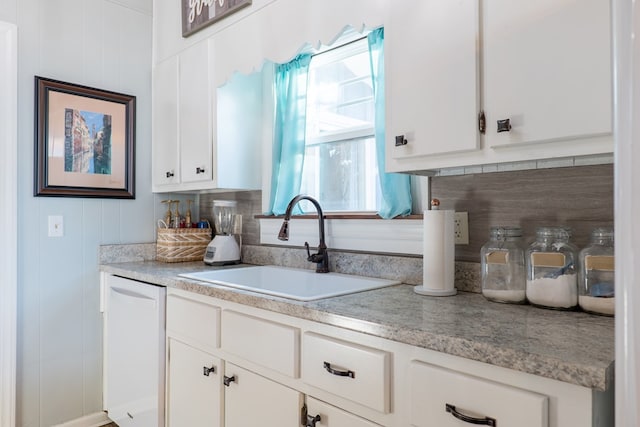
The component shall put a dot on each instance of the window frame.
(350, 44)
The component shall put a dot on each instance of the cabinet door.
(547, 68)
(254, 400)
(194, 390)
(194, 109)
(330, 416)
(166, 170)
(431, 78)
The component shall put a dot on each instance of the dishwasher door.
(134, 352)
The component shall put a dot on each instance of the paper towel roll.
(438, 257)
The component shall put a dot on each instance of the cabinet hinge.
(482, 122)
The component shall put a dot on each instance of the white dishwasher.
(134, 349)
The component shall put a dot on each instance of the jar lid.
(505, 231)
(558, 232)
(602, 233)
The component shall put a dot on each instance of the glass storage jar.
(597, 271)
(551, 269)
(502, 265)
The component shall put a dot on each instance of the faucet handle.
(309, 256)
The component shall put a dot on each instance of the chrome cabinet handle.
(340, 373)
(467, 419)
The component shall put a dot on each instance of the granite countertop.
(573, 347)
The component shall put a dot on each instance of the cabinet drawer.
(330, 416)
(269, 344)
(194, 321)
(439, 395)
(348, 370)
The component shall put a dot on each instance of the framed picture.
(197, 14)
(84, 141)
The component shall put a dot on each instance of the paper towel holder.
(438, 268)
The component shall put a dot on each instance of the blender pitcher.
(224, 248)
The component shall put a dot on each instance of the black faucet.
(322, 257)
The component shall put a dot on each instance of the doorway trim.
(8, 220)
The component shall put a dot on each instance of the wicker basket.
(182, 244)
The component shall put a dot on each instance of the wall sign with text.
(197, 14)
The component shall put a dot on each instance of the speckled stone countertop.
(573, 347)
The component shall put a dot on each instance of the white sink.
(293, 283)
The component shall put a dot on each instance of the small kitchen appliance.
(224, 248)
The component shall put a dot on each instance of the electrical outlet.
(461, 228)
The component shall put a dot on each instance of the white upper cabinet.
(195, 114)
(542, 69)
(190, 151)
(431, 69)
(547, 69)
(166, 170)
(182, 121)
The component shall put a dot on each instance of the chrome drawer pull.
(338, 372)
(467, 419)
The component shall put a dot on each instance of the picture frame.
(198, 14)
(84, 141)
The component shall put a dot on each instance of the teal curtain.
(396, 188)
(289, 131)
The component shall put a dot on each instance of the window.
(326, 142)
(340, 168)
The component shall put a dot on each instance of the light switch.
(56, 226)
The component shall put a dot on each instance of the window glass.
(340, 168)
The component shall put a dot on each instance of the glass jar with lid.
(551, 260)
(597, 271)
(502, 265)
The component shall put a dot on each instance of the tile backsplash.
(580, 197)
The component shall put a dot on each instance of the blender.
(224, 248)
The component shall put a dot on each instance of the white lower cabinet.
(194, 387)
(325, 415)
(276, 370)
(445, 398)
(251, 399)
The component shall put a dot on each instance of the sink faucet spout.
(321, 258)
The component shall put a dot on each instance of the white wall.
(104, 44)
